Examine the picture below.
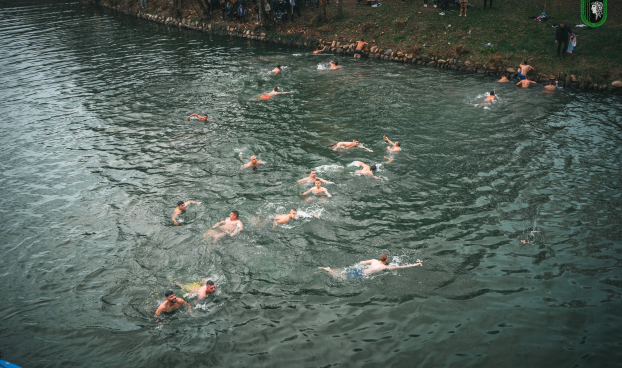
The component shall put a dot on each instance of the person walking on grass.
(561, 37)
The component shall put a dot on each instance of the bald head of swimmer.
(384, 258)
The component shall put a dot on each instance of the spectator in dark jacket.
(561, 37)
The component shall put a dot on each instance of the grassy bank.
(407, 26)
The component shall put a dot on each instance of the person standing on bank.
(561, 36)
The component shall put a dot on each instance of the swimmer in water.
(525, 83)
(551, 86)
(283, 219)
(317, 51)
(334, 65)
(503, 79)
(231, 226)
(201, 118)
(391, 150)
(170, 304)
(274, 92)
(201, 291)
(366, 169)
(181, 206)
(254, 162)
(488, 101)
(348, 145)
(369, 267)
(312, 178)
(276, 70)
(317, 190)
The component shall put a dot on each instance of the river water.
(97, 150)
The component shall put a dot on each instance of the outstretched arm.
(363, 147)
(519, 82)
(406, 266)
(197, 115)
(387, 139)
(326, 181)
(190, 202)
(307, 192)
(217, 224)
(175, 214)
(327, 194)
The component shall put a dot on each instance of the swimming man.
(274, 92)
(359, 48)
(283, 219)
(371, 266)
(392, 150)
(254, 162)
(231, 226)
(277, 69)
(312, 178)
(503, 79)
(489, 100)
(181, 206)
(523, 69)
(366, 169)
(317, 190)
(551, 86)
(201, 118)
(334, 65)
(525, 83)
(170, 304)
(348, 145)
(201, 291)
(318, 50)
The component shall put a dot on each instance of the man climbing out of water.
(317, 51)
(392, 150)
(348, 145)
(201, 118)
(312, 178)
(523, 69)
(201, 291)
(231, 226)
(489, 100)
(371, 266)
(283, 219)
(317, 190)
(334, 65)
(359, 48)
(181, 206)
(170, 304)
(366, 169)
(274, 92)
(254, 162)
(525, 83)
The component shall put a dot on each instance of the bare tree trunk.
(339, 9)
(261, 13)
(177, 8)
(323, 10)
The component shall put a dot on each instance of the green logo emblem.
(593, 12)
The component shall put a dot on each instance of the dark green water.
(96, 151)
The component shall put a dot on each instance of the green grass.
(404, 25)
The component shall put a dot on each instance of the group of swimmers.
(232, 225)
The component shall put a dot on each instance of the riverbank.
(491, 41)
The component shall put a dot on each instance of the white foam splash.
(323, 66)
(325, 168)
